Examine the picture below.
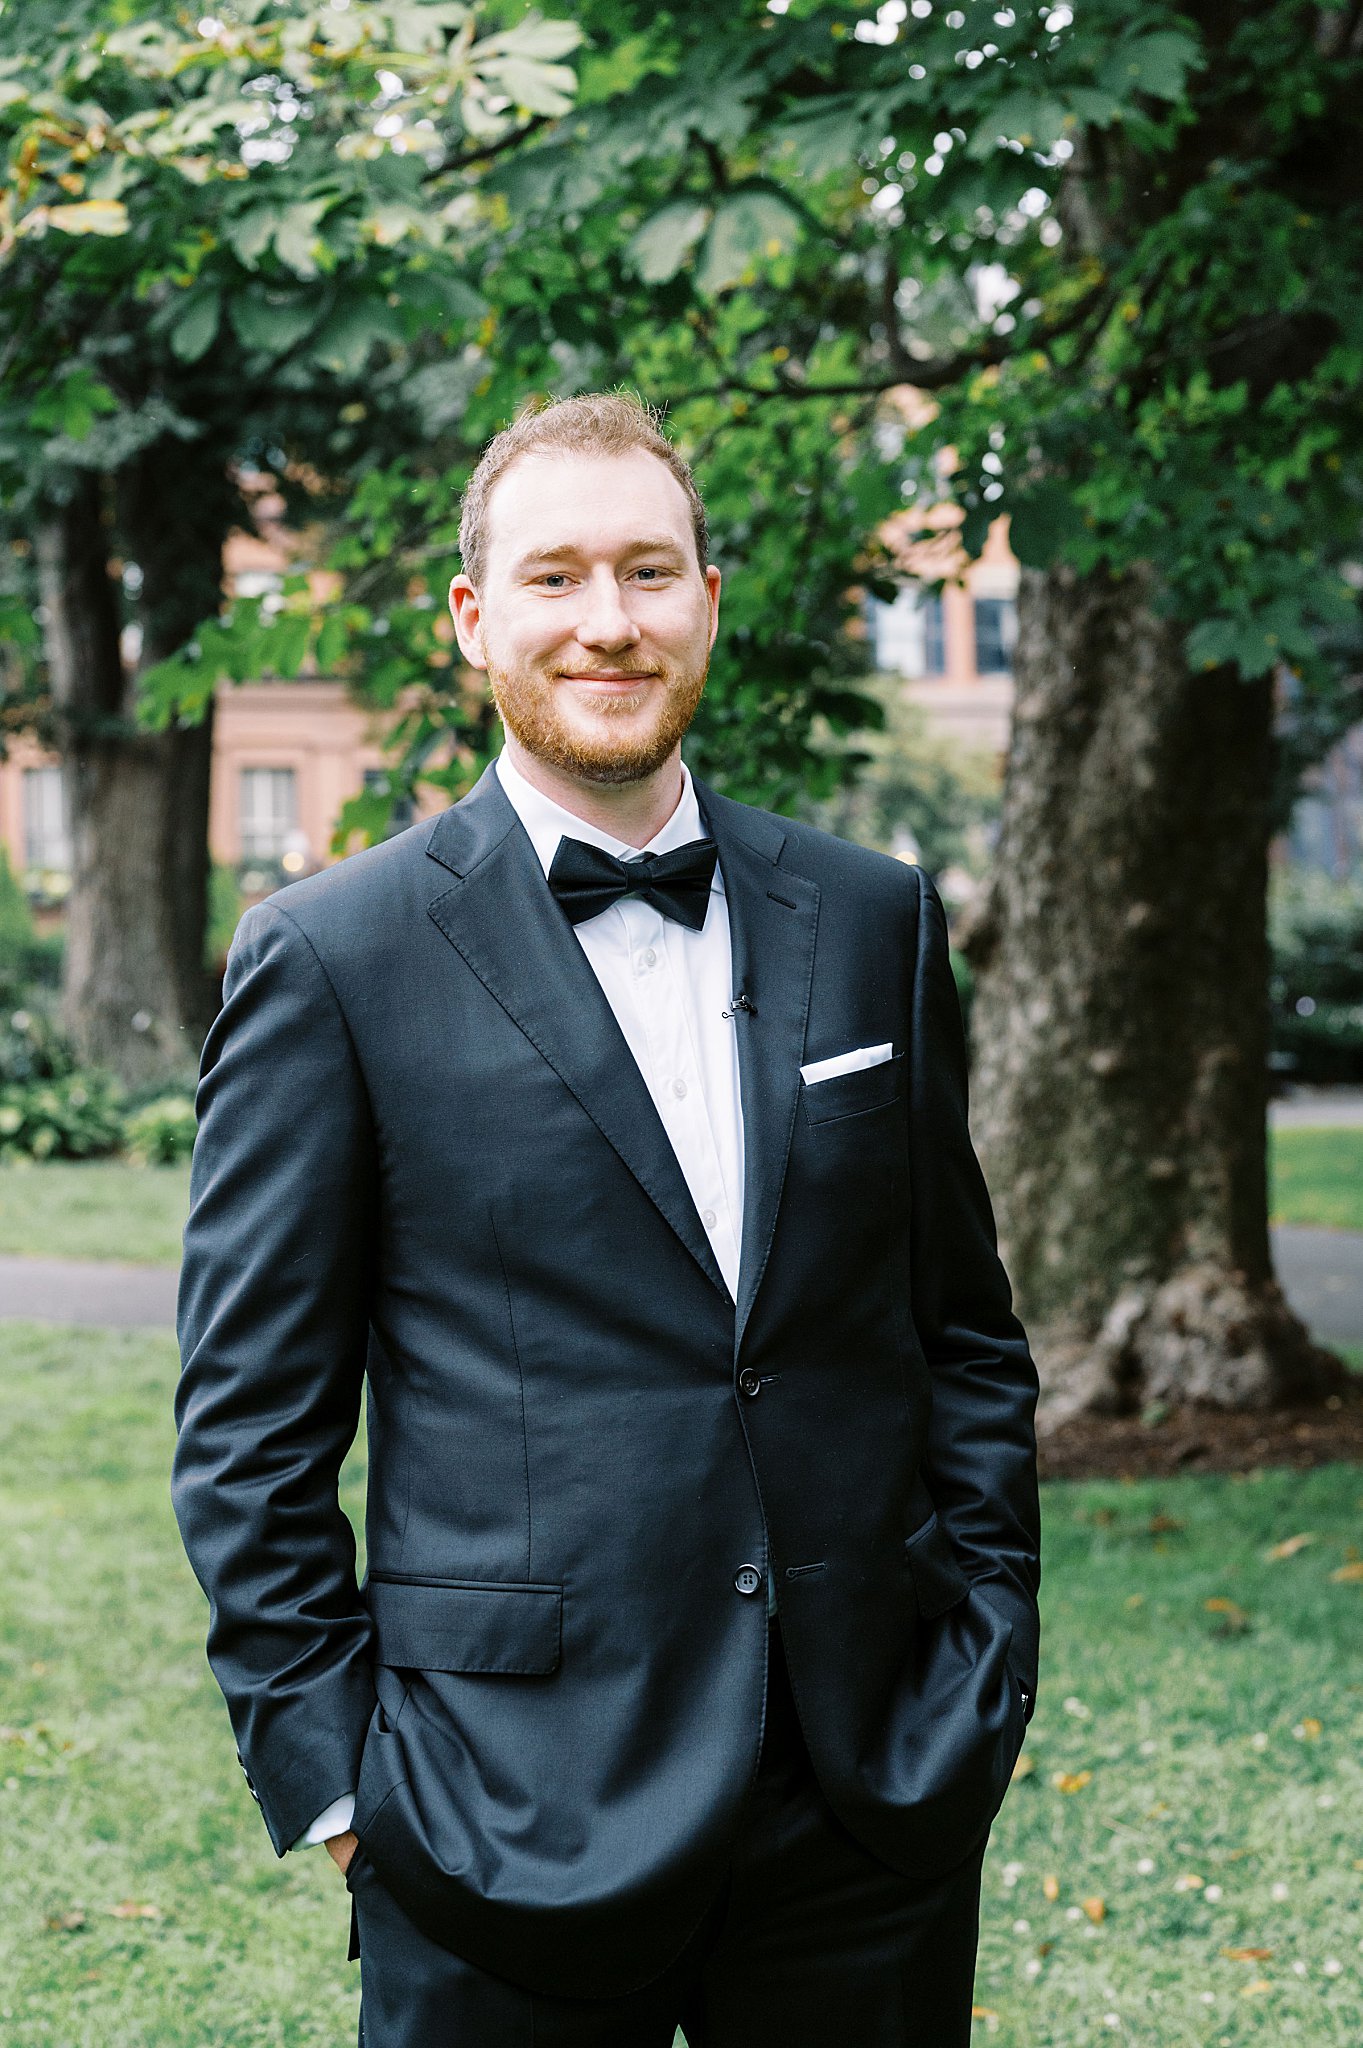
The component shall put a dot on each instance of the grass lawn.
(1213, 1759)
(1318, 1176)
(97, 1209)
(108, 1210)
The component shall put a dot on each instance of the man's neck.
(634, 812)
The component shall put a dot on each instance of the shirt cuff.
(335, 1821)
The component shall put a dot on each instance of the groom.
(614, 1135)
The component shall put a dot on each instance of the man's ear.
(712, 583)
(468, 621)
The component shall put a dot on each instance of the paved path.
(1321, 1271)
(69, 1291)
(1318, 1106)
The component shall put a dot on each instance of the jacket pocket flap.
(938, 1580)
(460, 1625)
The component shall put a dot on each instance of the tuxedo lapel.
(773, 917)
(501, 918)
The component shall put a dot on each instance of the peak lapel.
(501, 918)
(773, 917)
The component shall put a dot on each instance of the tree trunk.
(1121, 1019)
(135, 996)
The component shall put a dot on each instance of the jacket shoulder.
(832, 862)
(364, 886)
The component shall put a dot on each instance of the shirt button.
(679, 1089)
(648, 958)
(707, 1217)
(749, 1383)
(748, 1579)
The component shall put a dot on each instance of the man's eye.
(555, 577)
(656, 574)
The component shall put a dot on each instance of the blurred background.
(1018, 352)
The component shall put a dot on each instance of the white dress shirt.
(668, 987)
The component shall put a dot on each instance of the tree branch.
(488, 150)
(932, 374)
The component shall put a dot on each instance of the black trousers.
(811, 1942)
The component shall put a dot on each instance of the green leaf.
(286, 642)
(271, 325)
(333, 644)
(539, 88)
(345, 341)
(662, 244)
(193, 333)
(747, 230)
(534, 37)
(1157, 64)
(1041, 519)
(1031, 118)
(71, 405)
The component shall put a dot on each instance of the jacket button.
(748, 1579)
(749, 1383)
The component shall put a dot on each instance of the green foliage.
(24, 956)
(225, 906)
(70, 1116)
(1316, 989)
(162, 1132)
(917, 782)
(1119, 255)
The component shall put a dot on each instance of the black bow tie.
(587, 880)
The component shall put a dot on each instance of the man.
(616, 1133)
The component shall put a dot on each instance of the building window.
(995, 632)
(269, 812)
(376, 783)
(47, 822)
(934, 637)
(908, 634)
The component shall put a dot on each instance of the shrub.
(70, 1116)
(27, 957)
(161, 1132)
(1317, 983)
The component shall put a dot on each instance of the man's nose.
(603, 620)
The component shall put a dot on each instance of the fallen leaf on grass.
(129, 1909)
(1189, 1882)
(1050, 1886)
(1256, 1989)
(1071, 1781)
(1024, 1767)
(1350, 1574)
(1163, 1525)
(1247, 1955)
(1308, 1730)
(1234, 1620)
(1096, 1909)
(1289, 1546)
(983, 2012)
(66, 1923)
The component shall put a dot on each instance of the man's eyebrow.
(567, 551)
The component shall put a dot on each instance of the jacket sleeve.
(980, 1466)
(273, 1326)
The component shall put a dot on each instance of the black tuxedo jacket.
(427, 1158)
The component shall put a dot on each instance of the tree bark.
(135, 997)
(1120, 1019)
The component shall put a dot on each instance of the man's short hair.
(597, 423)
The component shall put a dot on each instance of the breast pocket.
(847, 1095)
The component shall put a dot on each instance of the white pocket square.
(846, 1063)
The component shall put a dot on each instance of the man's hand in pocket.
(341, 1848)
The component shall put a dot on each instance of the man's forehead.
(549, 499)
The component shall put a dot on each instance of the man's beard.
(528, 701)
